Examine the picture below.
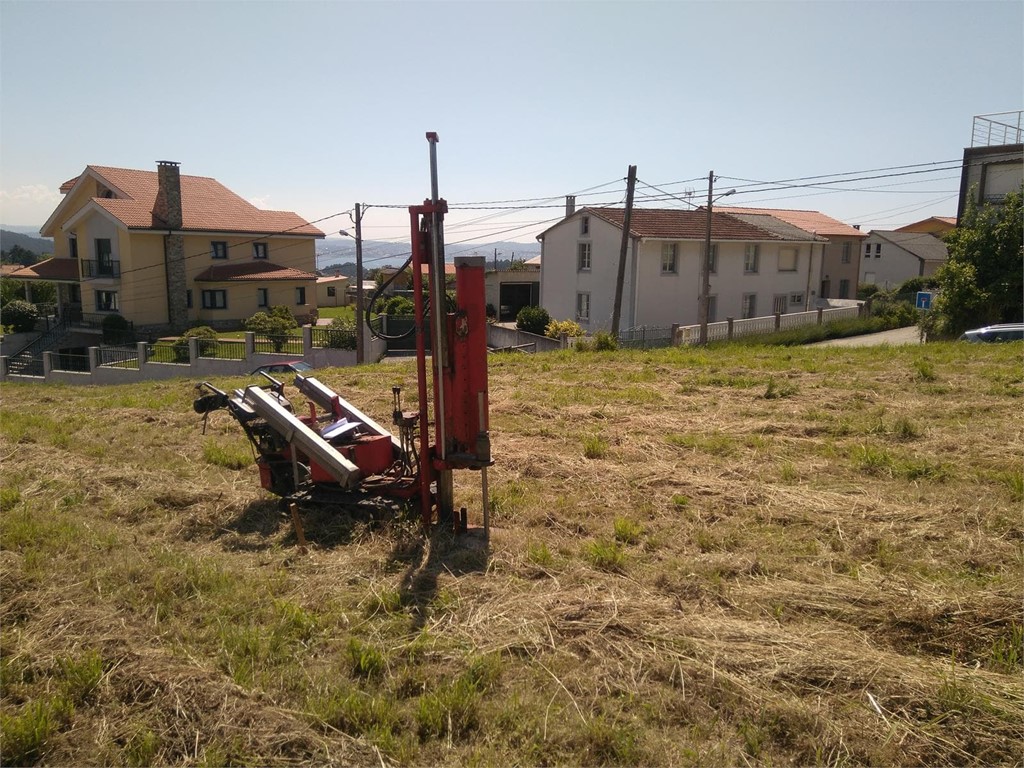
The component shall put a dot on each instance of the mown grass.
(711, 557)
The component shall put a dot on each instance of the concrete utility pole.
(705, 266)
(360, 351)
(621, 277)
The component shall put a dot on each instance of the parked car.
(292, 366)
(1004, 332)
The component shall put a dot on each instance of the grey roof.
(924, 246)
(777, 226)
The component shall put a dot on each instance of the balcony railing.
(997, 129)
(107, 268)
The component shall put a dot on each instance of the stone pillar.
(675, 333)
(3, 367)
(193, 350)
(47, 363)
(307, 340)
(778, 321)
(250, 344)
(729, 321)
(94, 358)
(142, 350)
(821, 312)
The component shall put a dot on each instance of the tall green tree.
(982, 282)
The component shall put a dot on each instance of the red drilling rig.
(336, 452)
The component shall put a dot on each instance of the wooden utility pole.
(621, 277)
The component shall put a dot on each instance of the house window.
(844, 289)
(582, 306)
(262, 298)
(300, 295)
(780, 305)
(259, 250)
(668, 258)
(749, 305)
(73, 247)
(219, 249)
(104, 264)
(332, 291)
(878, 250)
(750, 259)
(583, 259)
(846, 253)
(787, 259)
(188, 298)
(867, 250)
(713, 261)
(796, 298)
(215, 299)
(712, 308)
(584, 225)
(106, 301)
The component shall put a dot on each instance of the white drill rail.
(299, 435)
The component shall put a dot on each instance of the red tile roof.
(51, 269)
(809, 221)
(207, 205)
(251, 270)
(690, 225)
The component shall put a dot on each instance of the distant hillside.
(42, 246)
(335, 251)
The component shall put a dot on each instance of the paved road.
(898, 337)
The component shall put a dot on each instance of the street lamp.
(705, 265)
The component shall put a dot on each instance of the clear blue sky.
(313, 106)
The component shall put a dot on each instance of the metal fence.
(646, 337)
(119, 357)
(66, 361)
(224, 349)
(284, 343)
(334, 338)
(166, 352)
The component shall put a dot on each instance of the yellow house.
(332, 291)
(169, 251)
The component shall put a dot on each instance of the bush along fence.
(197, 357)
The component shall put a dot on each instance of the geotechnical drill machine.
(336, 452)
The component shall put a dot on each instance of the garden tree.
(11, 290)
(19, 255)
(982, 281)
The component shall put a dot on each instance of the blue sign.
(924, 300)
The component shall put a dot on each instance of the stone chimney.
(167, 207)
(570, 205)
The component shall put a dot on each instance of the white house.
(891, 258)
(759, 265)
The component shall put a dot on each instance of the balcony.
(92, 268)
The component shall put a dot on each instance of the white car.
(990, 333)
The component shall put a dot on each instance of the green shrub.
(20, 316)
(533, 320)
(867, 290)
(117, 330)
(341, 334)
(207, 343)
(399, 305)
(276, 326)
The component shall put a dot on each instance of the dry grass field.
(717, 557)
